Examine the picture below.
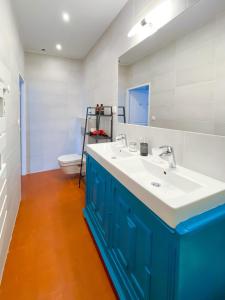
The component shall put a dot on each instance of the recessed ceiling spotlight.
(58, 47)
(66, 17)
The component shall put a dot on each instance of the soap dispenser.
(144, 147)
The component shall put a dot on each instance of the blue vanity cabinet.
(139, 250)
(145, 258)
(142, 247)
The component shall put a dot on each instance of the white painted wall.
(55, 104)
(11, 64)
(199, 152)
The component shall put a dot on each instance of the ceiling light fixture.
(153, 21)
(66, 17)
(58, 47)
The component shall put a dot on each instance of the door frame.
(23, 126)
(149, 99)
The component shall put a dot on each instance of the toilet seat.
(70, 159)
(70, 164)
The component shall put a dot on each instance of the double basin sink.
(174, 195)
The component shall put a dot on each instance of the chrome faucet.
(123, 138)
(169, 153)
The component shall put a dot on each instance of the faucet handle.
(122, 137)
(168, 148)
(169, 152)
(118, 138)
(162, 147)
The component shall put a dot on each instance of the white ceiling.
(41, 26)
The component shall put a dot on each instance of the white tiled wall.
(187, 81)
(200, 152)
(54, 92)
(101, 74)
(11, 64)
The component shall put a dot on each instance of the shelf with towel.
(107, 112)
(99, 137)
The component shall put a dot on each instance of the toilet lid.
(69, 158)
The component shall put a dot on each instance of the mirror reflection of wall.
(158, 70)
(134, 106)
(186, 73)
(134, 100)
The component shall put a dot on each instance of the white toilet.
(70, 163)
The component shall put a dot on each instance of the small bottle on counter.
(102, 109)
(97, 109)
(97, 112)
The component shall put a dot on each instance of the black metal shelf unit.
(91, 112)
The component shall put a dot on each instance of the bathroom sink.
(158, 179)
(174, 195)
(113, 151)
(118, 153)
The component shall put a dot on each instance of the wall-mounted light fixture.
(154, 20)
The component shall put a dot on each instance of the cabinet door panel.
(123, 236)
(97, 197)
(121, 230)
(140, 265)
(89, 161)
(131, 242)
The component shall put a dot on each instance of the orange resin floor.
(52, 255)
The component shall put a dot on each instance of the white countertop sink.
(113, 151)
(173, 194)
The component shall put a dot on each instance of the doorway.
(22, 123)
(138, 105)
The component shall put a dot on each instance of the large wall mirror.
(171, 78)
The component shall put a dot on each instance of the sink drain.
(113, 157)
(155, 184)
